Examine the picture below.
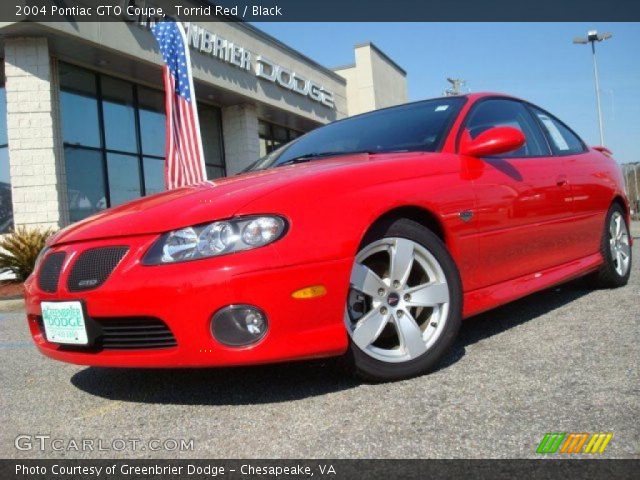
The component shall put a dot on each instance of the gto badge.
(466, 215)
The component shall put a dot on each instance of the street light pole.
(595, 75)
(456, 86)
(592, 38)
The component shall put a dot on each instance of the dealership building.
(82, 112)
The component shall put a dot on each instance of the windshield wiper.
(312, 156)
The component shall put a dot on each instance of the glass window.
(6, 205)
(85, 182)
(211, 133)
(563, 140)
(152, 121)
(119, 115)
(264, 147)
(79, 107)
(280, 134)
(508, 113)
(3, 116)
(274, 136)
(264, 129)
(214, 172)
(124, 178)
(153, 175)
(133, 123)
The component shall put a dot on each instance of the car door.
(590, 181)
(522, 198)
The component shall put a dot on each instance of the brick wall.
(241, 142)
(35, 156)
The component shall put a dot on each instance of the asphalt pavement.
(563, 360)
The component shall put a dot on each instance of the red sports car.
(371, 237)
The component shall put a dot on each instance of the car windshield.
(416, 126)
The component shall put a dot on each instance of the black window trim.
(555, 151)
(525, 104)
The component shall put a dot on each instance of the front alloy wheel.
(403, 307)
(398, 301)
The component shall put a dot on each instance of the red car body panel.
(533, 226)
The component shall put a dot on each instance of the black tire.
(374, 370)
(607, 276)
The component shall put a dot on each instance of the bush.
(19, 250)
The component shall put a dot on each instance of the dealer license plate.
(64, 322)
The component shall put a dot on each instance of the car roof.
(479, 95)
(473, 97)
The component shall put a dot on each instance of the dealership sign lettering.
(209, 43)
(212, 44)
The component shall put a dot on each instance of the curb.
(11, 304)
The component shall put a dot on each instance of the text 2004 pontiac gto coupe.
(371, 237)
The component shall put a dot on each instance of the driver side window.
(508, 113)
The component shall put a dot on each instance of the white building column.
(240, 133)
(38, 180)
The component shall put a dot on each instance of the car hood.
(182, 207)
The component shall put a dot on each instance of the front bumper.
(186, 295)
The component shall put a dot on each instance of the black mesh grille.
(123, 333)
(94, 267)
(50, 272)
(134, 333)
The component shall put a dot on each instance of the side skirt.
(486, 298)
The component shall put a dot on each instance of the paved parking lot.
(562, 360)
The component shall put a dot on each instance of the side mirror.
(495, 141)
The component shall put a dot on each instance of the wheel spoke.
(618, 226)
(401, 260)
(368, 328)
(612, 229)
(428, 295)
(625, 250)
(620, 267)
(410, 335)
(366, 280)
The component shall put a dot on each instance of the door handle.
(561, 181)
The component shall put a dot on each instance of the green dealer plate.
(64, 322)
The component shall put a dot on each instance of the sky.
(534, 61)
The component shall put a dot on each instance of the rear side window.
(508, 113)
(563, 141)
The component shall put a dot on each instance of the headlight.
(217, 238)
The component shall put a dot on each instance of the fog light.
(239, 325)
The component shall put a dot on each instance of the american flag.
(184, 157)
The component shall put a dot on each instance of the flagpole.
(193, 92)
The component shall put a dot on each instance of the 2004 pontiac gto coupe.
(372, 237)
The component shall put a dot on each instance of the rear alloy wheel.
(404, 304)
(619, 244)
(616, 250)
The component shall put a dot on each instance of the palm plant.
(19, 250)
